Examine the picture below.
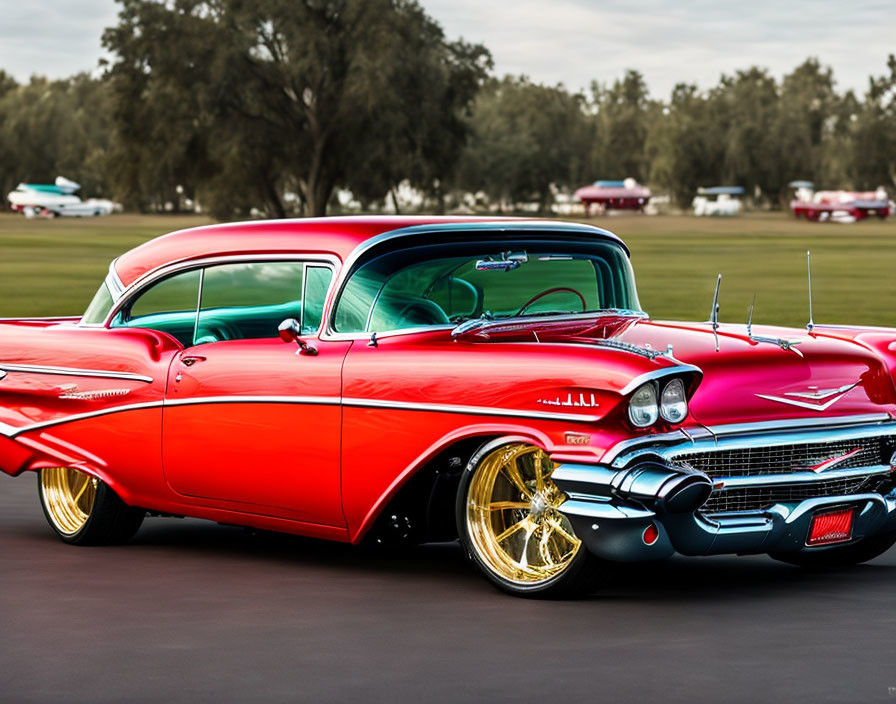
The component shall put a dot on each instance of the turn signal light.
(651, 534)
(831, 527)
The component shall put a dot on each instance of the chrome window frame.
(147, 279)
(328, 332)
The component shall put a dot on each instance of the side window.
(317, 282)
(167, 306)
(248, 300)
(99, 307)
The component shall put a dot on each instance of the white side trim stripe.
(11, 431)
(73, 371)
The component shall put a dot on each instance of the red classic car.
(492, 380)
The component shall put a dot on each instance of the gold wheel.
(69, 497)
(515, 525)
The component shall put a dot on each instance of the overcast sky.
(568, 41)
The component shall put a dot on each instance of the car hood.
(775, 374)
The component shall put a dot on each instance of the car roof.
(338, 236)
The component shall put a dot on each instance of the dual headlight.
(645, 408)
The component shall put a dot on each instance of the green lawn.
(53, 267)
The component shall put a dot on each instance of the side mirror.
(290, 331)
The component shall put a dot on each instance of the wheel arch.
(431, 481)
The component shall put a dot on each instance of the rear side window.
(248, 300)
(99, 307)
(240, 301)
(167, 306)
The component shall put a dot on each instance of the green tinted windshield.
(447, 284)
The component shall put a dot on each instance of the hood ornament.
(816, 399)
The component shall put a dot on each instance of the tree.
(873, 158)
(48, 128)
(526, 138)
(622, 114)
(686, 144)
(260, 96)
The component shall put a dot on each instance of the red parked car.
(421, 379)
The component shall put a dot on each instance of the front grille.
(787, 459)
(784, 459)
(757, 498)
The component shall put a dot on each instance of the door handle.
(190, 360)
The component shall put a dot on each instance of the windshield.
(448, 284)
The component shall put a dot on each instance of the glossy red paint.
(249, 432)
(338, 236)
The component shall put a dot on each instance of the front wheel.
(855, 554)
(512, 528)
(84, 510)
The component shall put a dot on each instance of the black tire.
(855, 554)
(110, 521)
(580, 576)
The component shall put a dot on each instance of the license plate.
(830, 527)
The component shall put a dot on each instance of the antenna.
(750, 319)
(714, 315)
(809, 266)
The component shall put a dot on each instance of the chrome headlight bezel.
(668, 407)
(644, 398)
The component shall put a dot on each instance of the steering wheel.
(427, 308)
(548, 292)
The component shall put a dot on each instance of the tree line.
(271, 106)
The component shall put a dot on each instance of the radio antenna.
(714, 314)
(809, 268)
(750, 319)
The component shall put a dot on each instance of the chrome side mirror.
(290, 331)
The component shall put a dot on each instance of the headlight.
(674, 402)
(642, 409)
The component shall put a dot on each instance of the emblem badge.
(834, 461)
(70, 391)
(814, 399)
(581, 402)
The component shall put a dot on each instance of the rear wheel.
(83, 510)
(512, 527)
(855, 554)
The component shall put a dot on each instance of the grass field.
(53, 267)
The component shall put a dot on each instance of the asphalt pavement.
(196, 612)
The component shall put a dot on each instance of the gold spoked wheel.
(513, 516)
(69, 497)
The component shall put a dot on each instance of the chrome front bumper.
(612, 505)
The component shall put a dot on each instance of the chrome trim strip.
(113, 281)
(762, 480)
(799, 423)
(11, 431)
(72, 371)
(300, 400)
(349, 336)
(2, 375)
(472, 410)
(659, 374)
(768, 433)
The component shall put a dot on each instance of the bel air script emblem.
(581, 402)
(815, 399)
